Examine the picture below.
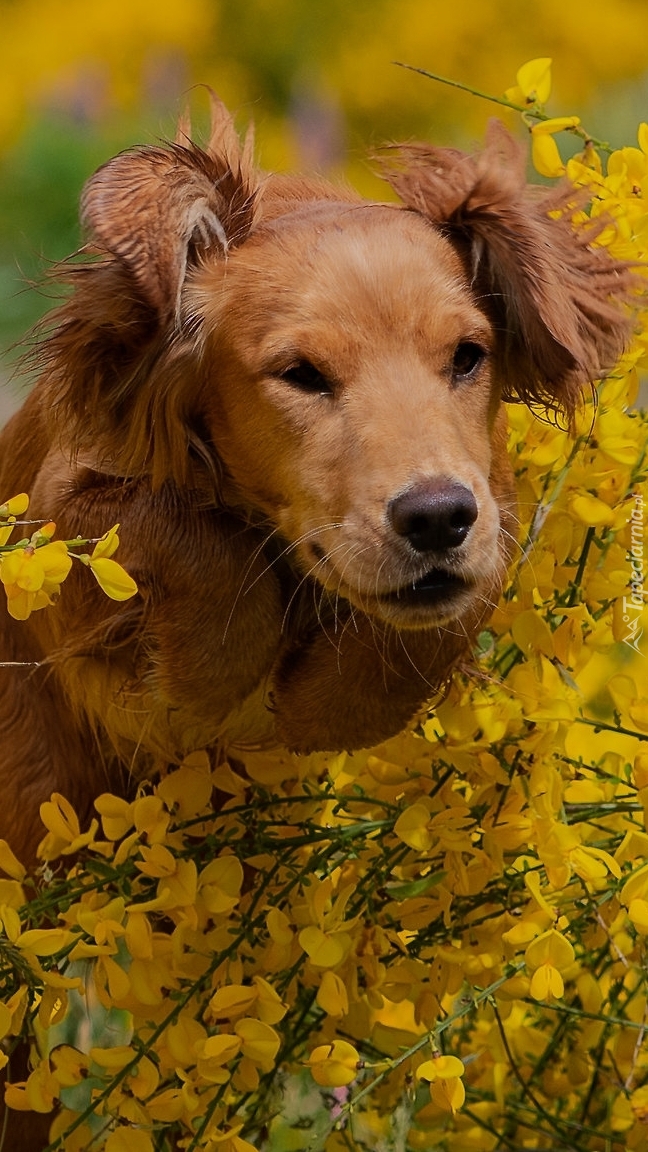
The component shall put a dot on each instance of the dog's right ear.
(560, 303)
(119, 363)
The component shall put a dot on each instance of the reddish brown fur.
(257, 515)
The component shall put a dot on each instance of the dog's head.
(339, 364)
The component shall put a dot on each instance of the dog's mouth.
(435, 588)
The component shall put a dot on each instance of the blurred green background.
(80, 80)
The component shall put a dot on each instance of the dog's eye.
(467, 358)
(307, 377)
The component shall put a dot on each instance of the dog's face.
(350, 395)
(340, 362)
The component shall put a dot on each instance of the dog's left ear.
(119, 363)
(157, 209)
(558, 301)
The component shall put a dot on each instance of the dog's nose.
(435, 515)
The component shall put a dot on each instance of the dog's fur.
(291, 400)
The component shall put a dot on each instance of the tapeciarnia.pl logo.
(635, 601)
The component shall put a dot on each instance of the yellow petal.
(69, 1065)
(532, 633)
(412, 828)
(546, 983)
(10, 863)
(232, 1000)
(260, 1042)
(112, 579)
(534, 79)
(55, 560)
(23, 568)
(549, 948)
(545, 155)
(555, 124)
(334, 1065)
(118, 981)
(41, 1088)
(332, 995)
(448, 1095)
(20, 605)
(157, 861)
(323, 950)
(45, 941)
(167, 1107)
(185, 1039)
(59, 817)
(139, 936)
(116, 815)
(128, 1139)
(6, 1017)
(107, 545)
(592, 511)
(15, 506)
(145, 1080)
(114, 1058)
(441, 1067)
(638, 913)
(269, 1006)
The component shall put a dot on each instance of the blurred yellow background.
(79, 81)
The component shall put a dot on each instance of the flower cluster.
(438, 943)
(33, 569)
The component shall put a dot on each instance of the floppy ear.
(558, 302)
(119, 363)
(156, 210)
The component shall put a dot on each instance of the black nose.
(434, 515)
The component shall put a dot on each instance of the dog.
(293, 401)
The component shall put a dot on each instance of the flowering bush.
(435, 944)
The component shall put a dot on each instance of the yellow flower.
(116, 815)
(332, 995)
(412, 827)
(230, 1141)
(10, 864)
(446, 1086)
(62, 823)
(533, 82)
(16, 506)
(32, 577)
(220, 883)
(324, 949)
(592, 511)
(334, 1065)
(214, 1053)
(37, 1094)
(547, 956)
(128, 1139)
(187, 791)
(638, 914)
(260, 1042)
(69, 1065)
(110, 576)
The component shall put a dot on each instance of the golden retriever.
(291, 400)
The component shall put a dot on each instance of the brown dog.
(291, 400)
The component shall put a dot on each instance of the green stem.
(531, 109)
(467, 88)
(601, 726)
